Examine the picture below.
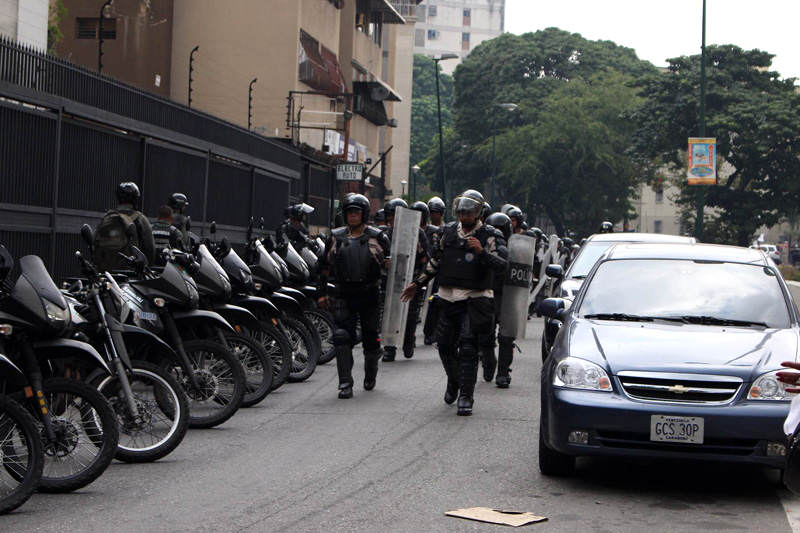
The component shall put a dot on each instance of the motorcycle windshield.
(266, 269)
(238, 271)
(173, 285)
(320, 247)
(298, 269)
(282, 264)
(211, 278)
(36, 295)
(309, 257)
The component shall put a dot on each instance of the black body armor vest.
(460, 265)
(354, 264)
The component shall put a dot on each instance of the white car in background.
(771, 250)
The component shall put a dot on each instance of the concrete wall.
(25, 21)
(9, 16)
(401, 79)
(651, 211)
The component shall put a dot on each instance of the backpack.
(111, 238)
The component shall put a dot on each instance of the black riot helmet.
(391, 206)
(436, 205)
(299, 211)
(606, 227)
(536, 232)
(568, 242)
(523, 225)
(356, 201)
(506, 208)
(470, 201)
(515, 212)
(128, 193)
(501, 222)
(486, 211)
(178, 202)
(380, 217)
(422, 207)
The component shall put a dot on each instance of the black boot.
(370, 369)
(503, 382)
(408, 351)
(465, 405)
(505, 357)
(429, 340)
(345, 391)
(451, 392)
(489, 364)
(389, 353)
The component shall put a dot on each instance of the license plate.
(679, 429)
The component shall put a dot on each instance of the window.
(431, 11)
(419, 37)
(659, 196)
(657, 226)
(465, 41)
(86, 28)
(433, 35)
(467, 17)
(421, 12)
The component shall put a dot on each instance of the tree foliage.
(424, 118)
(755, 117)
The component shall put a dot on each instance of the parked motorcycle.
(21, 448)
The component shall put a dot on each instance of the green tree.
(755, 117)
(54, 36)
(424, 119)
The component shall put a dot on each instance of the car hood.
(741, 352)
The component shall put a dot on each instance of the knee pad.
(468, 346)
(341, 337)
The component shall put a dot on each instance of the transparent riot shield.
(405, 236)
(516, 287)
(549, 255)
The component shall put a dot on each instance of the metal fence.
(68, 136)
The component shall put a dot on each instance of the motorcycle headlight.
(565, 293)
(57, 316)
(574, 373)
(767, 387)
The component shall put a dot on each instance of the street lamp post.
(191, 69)
(436, 60)
(100, 36)
(701, 189)
(403, 189)
(507, 107)
(250, 104)
(415, 173)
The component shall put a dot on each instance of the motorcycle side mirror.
(6, 263)
(139, 259)
(553, 308)
(88, 234)
(174, 237)
(212, 228)
(554, 271)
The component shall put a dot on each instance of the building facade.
(25, 21)
(656, 210)
(456, 26)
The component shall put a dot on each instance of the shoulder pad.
(492, 230)
(339, 232)
(372, 231)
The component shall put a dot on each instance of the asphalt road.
(395, 459)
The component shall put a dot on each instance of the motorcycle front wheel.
(21, 452)
(256, 363)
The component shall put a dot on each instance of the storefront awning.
(378, 90)
(390, 14)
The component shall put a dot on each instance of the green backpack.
(112, 238)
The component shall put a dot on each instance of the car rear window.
(676, 288)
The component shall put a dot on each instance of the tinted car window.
(586, 259)
(675, 288)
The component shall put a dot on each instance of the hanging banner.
(702, 156)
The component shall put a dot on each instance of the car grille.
(685, 388)
(719, 446)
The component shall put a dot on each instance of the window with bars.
(431, 11)
(467, 17)
(658, 226)
(86, 28)
(433, 35)
(419, 38)
(465, 41)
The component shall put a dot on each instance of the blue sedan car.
(670, 350)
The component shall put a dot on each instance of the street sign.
(702, 161)
(350, 172)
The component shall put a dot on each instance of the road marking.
(791, 504)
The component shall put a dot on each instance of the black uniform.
(488, 359)
(466, 310)
(409, 336)
(297, 235)
(431, 320)
(354, 266)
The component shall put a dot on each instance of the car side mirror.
(554, 308)
(554, 271)
(88, 234)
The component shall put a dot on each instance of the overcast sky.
(659, 29)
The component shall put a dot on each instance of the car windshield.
(586, 259)
(690, 291)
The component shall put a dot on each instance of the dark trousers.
(462, 328)
(347, 309)
(505, 353)
(414, 307)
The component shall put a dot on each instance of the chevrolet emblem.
(678, 389)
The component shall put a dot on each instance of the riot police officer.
(161, 228)
(606, 227)
(466, 260)
(433, 230)
(353, 260)
(178, 202)
(517, 218)
(294, 227)
(486, 348)
(505, 354)
(409, 338)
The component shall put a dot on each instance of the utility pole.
(100, 36)
(250, 104)
(701, 189)
(191, 69)
(439, 114)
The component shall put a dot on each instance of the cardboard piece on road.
(493, 516)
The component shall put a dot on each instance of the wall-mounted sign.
(350, 172)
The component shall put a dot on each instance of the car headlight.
(767, 387)
(574, 373)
